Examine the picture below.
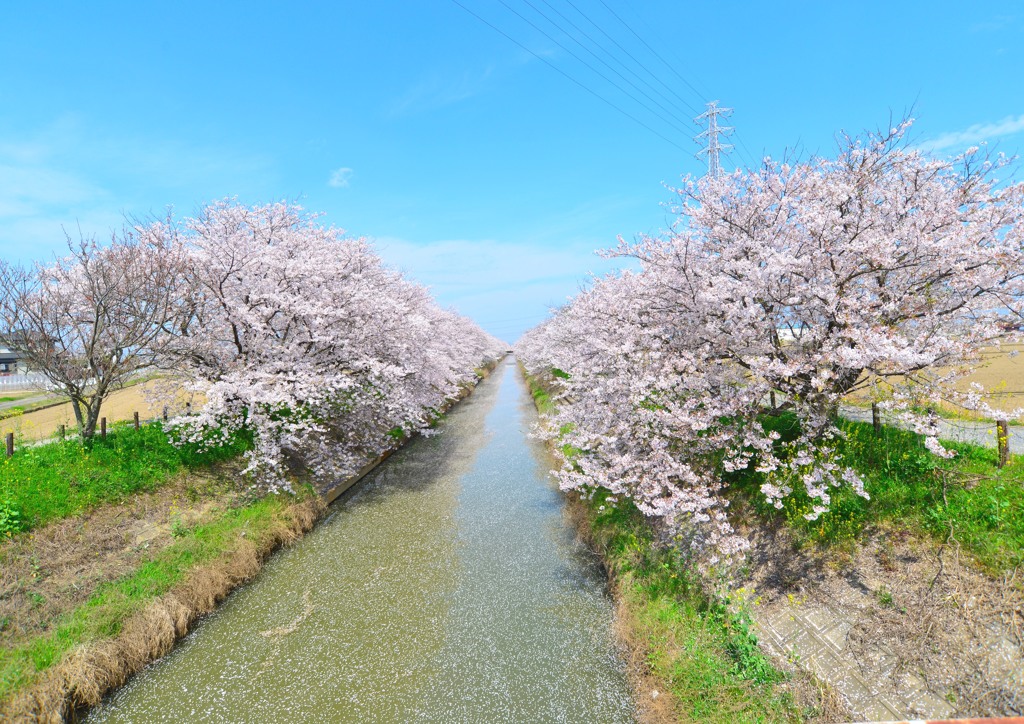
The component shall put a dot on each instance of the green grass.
(103, 614)
(48, 482)
(541, 398)
(702, 648)
(968, 497)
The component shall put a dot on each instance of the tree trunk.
(93, 416)
(76, 405)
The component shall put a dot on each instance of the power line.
(656, 54)
(673, 112)
(746, 152)
(650, 110)
(569, 77)
(643, 67)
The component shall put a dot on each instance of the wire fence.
(980, 432)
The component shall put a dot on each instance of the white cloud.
(973, 135)
(68, 174)
(340, 178)
(996, 22)
(506, 287)
(437, 91)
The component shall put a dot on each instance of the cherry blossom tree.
(806, 280)
(95, 318)
(303, 337)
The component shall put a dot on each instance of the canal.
(447, 586)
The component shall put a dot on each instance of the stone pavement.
(814, 637)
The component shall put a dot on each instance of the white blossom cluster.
(799, 283)
(302, 337)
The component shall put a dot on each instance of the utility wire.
(669, 121)
(678, 109)
(656, 54)
(569, 77)
(634, 59)
(699, 88)
(671, 112)
(754, 165)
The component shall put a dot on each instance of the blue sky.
(479, 168)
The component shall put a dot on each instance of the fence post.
(103, 428)
(1003, 439)
(165, 413)
(771, 396)
(136, 415)
(10, 444)
(61, 431)
(876, 418)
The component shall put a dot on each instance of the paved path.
(977, 433)
(30, 400)
(815, 636)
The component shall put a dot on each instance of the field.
(1001, 373)
(121, 405)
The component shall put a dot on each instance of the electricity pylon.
(714, 134)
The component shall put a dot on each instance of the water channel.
(447, 586)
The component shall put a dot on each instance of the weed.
(10, 516)
(178, 528)
(884, 596)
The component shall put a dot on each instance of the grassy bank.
(111, 549)
(699, 652)
(134, 619)
(967, 498)
(43, 483)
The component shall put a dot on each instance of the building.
(9, 361)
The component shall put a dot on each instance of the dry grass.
(87, 673)
(121, 405)
(1000, 372)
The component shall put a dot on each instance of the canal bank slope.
(693, 657)
(448, 586)
(88, 601)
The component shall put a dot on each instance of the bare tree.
(97, 317)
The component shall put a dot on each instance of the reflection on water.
(446, 587)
